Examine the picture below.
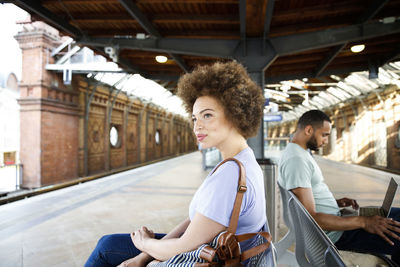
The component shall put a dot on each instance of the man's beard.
(312, 144)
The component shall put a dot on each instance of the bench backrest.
(313, 247)
(285, 200)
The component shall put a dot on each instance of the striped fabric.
(189, 259)
(186, 259)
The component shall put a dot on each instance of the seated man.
(300, 173)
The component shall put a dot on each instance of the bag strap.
(254, 250)
(241, 189)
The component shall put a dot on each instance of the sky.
(11, 60)
(10, 53)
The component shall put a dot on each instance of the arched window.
(115, 139)
(157, 137)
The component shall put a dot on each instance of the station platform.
(61, 228)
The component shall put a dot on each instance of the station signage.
(273, 116)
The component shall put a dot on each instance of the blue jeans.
(112, 250)
(361, 241)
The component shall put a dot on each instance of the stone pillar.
(49, 112)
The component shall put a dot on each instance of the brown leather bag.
(227, 253)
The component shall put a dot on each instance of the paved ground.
(366, 185)
(61, 228)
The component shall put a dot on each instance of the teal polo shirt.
(297, 168)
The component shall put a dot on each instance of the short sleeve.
(218, 195)
(296, 172)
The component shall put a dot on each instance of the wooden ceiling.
(290, 39)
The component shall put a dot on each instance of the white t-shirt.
(215, 197)
(297, 168)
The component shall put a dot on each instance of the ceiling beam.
(180, 62)
(197, 47)
(268, 18)
(100, 2)
(295, 43)
(192, 18)
(160, 18)
(310, 74)
(372, 10)
(283, 45)
(75, 2)
(136, 13)
(319, 7)
(390, 57)
(161, 77)
(175, 33)
(186, 1)
(328, 59)
(34, 6)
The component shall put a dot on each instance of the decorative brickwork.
(60, 141)
(363, 131)
(49, 113)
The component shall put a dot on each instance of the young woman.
(226, 108)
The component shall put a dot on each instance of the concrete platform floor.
(61, 228)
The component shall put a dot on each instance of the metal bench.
(264, 259)
(284, 255)
(313, 247)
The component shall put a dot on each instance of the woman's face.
(209, 122)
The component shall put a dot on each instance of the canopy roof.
(300, 39)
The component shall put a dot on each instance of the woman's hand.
(140, 236)
(134, 262)
(345, 202)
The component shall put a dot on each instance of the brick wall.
(363, 132)
(49, 113)
(137, 124)
(58, 143)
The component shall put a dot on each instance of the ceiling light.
(357, 48)
(140, 36)
(161, 59)
(388, 20)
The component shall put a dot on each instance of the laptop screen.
(390, 193)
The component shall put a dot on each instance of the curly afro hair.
(229, 83)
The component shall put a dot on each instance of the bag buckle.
(242, 188)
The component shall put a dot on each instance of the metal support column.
(257, 142)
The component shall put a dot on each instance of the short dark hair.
(229, 83)
(314, 117)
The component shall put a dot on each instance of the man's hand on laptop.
(346, 202)
(384, 227)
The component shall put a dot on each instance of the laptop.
(383, 211)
